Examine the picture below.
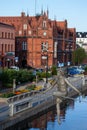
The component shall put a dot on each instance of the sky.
(74, 11)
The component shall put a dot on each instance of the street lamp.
(46, 69)
(45, 57)
(8, 61)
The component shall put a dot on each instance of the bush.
(31, 87)
(7, 85)
(86, 69)
(7, 95)
(54, 70)
(21, 76)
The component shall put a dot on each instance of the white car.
(14, 67)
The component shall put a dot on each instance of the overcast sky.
(74, 11)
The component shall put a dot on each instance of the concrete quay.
(5, 125)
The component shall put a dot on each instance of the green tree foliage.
(54, 70)
(21, 76)
(79, 55)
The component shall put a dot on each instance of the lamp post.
(45, 57)
(8, 61)
(46, 69)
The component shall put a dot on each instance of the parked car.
(14, 67)
(75, 70)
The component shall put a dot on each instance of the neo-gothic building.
(41, 41)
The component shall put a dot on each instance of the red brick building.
(7, 45)
(38, 36)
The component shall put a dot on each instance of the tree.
(79, 55)
(54, 70)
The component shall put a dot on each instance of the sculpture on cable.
(62, 84)
(61, 92)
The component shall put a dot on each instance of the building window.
(2, 34)
(5, 47)
(44, 46)
(5, 34)
(25, 26)
(8, 47)
(20, 32)
(29, 32)
(24, 46)
(8, 35)
(11, 47)
(2, 48)
(55, 50)
(44, 24)
(24, 33)
(34, 32)
(11, 35)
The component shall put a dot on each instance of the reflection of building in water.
(41, 122)
(71, 104)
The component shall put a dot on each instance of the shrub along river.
(73, 117)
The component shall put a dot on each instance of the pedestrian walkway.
(24, 86)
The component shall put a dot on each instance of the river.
(73, 117)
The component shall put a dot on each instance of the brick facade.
(39, 36)
(7, 45)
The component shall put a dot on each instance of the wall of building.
(7, 45)
(40, 29)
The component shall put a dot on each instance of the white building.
(81, 39)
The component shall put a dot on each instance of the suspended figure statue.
(61, 92)
(62, 83)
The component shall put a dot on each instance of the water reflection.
(49, 119)
(73, 116)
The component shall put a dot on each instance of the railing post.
(11, 109)
(83, 80)
(14, 85)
